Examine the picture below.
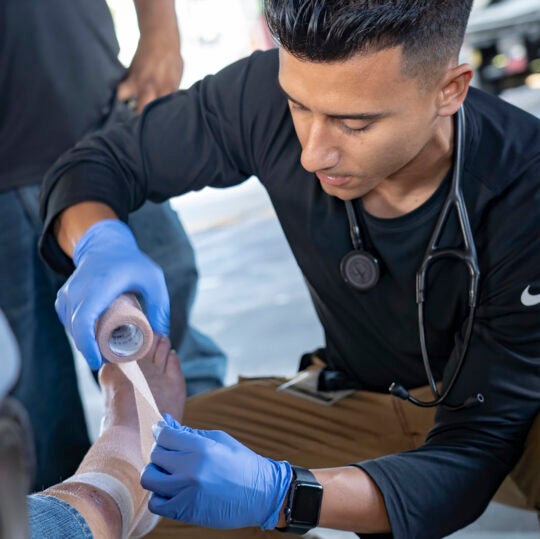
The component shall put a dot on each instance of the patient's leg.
(115, 460)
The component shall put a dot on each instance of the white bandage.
(115, 489)
(148, 414)
(124, 312)
(148, 521)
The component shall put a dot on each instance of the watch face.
(305, 504)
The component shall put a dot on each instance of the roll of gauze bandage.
(125, 337)
(123, 332)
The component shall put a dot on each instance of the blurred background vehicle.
(503, 44)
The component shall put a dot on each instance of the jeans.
(47, 386)
(55, 519)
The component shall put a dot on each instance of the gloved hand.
(108, 263)
(209, 479)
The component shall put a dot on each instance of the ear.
(453, 90)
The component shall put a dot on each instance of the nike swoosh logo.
(529, 299)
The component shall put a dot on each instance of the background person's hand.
(156, 70)
(209, 479)
(108, 263)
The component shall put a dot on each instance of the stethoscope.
(360, 270)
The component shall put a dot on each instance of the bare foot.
(108, 456)
(165, 378)
(119, 398)
(161, 368)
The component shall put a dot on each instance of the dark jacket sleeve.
(182, 142)
(447, 483)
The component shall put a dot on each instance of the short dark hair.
(430, 31)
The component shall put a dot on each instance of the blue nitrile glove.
(209, 479)
(108, 263)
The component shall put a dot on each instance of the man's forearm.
(74, 221)
(351, 501)
(158, 18)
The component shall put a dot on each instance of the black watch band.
(303, 502)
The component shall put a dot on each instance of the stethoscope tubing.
(467, 255)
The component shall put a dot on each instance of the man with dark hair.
(429, 33)
(389, 176)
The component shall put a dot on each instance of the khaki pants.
(364, 426)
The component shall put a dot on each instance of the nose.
(318, 152)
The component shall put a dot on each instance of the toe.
(162, 352)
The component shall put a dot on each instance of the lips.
(336, 181)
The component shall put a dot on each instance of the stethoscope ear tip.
(474, 400)
(399, 391)
(470, 402)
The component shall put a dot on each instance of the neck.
(411, 186)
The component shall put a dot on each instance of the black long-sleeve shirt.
(237, 124)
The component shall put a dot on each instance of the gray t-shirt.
(58, 75)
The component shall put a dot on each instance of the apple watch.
(303, 502)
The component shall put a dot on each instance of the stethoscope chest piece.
(360, 270)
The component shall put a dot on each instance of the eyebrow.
(353, 116)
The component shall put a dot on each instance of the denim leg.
(54, 518)
(47, 386)
(160, 235)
